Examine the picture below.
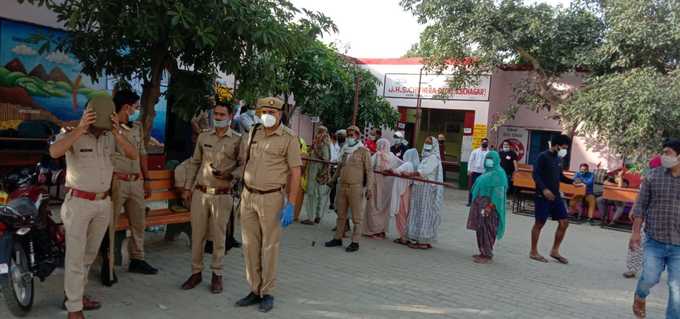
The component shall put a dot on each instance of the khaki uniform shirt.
(181, 172)
(89, 165)
(356, 167)
(271, 158)
(220, 151)
(135, 136)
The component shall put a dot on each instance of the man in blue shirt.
(587, 178)
(548, 175)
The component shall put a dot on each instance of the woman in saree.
(318, 175)
(377, 207)
(400, 201)
(487, 213)
(426, 198)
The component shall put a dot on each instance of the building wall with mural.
(42, 88)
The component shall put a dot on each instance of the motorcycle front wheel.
(17, 286)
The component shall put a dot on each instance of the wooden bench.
(621, 194)
(523, 180)
(160, 183)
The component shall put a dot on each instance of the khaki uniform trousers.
(130, 195)
(350, 196)
(209, 217)
(261, 233)
(85, 223)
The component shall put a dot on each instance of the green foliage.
(142, 39)
(629, 112)
(190, 92)
(629, 49)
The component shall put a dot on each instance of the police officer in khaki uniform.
(271, 156)
(355, 172)
(87, 208)
(127, 188)
(211, 171)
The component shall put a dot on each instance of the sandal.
(400, 242)
(481, 260)
(629, 274)
(419, 246)
(538, 258)
(639, 306)
(560, 259)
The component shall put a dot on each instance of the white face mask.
(427, 147)
(221, 124)
(562, 152)
(268, 120)
(669, 161)
(506, 149)
(351, 141)
(488, 163)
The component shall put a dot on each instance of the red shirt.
(371, 145)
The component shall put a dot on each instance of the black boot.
(334, 243)
(232, 243)
(352, 247)
(141, 267)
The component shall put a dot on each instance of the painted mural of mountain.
(15, 66)
(58, 75)
(39, 72)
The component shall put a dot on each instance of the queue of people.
(373, 187)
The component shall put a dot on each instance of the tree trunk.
(151, 92)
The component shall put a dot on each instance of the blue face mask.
(221, 124)
(134, 116)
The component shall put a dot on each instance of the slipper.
(307, 222)
(539, 258)
(560, 259)
(481, 260)
(419, 246)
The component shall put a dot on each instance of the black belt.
(259, 192)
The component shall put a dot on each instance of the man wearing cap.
(271, 157)
(127, 190)
(355, 172)
(87, 208)
(211, 172)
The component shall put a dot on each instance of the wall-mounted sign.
(432, 86)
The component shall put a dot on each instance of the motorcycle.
(32, 244)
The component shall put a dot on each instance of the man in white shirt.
(476, 165)
(335, 148)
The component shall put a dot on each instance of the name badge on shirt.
(86, 150)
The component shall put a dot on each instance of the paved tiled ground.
(384, 280)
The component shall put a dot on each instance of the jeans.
(657, 257)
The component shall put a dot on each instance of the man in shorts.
(549, 203)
